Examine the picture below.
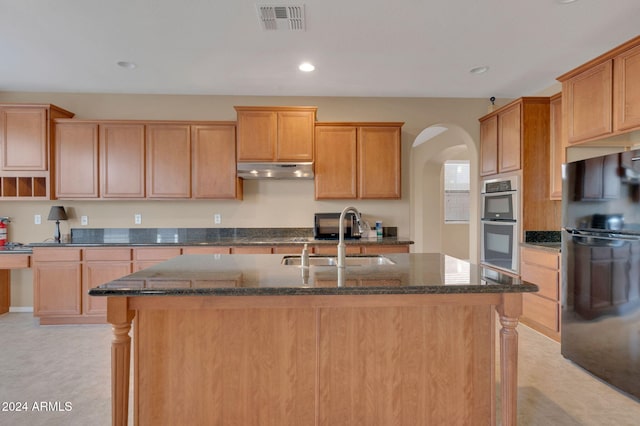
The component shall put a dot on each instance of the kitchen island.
(404, 339)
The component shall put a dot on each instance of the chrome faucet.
(341, 246)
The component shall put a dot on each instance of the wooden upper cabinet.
(257, 135)
(588, 103)
(501, 140)
(168, 160)
(214, 162)
(510, 138)
(295, 135)
(626, 86)
(557, 148)
(336, 173)
(122, 173)
(76, 159)
(489, 146)
(24, 135)
(275, 133)
(601, 98)
(379, 162)
(358, 161)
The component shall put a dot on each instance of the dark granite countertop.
(544, 240)
(543, 246)
(264, 274)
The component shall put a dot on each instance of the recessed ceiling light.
(127, 65)
(566, 1)
(306, 67)
(479, 70)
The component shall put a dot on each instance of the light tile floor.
(59, 364)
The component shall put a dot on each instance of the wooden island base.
(314, 360)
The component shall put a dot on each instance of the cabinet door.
(335, 162)
(257, 135)
(76, 160)
(379, 162)
(122, 160)
(24, 135)
(557, 151)
(509, 138)
(57, 288)
(168, 161)
(95, 274)
(214, 162)
(627, 90)
(295, 136)
(489, 146)
(588, 103)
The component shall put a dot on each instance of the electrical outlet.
(37, 219)
(217, 218)
(84, 221)
(137, 218)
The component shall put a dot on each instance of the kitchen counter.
(544, 240)
(554, 247)
(244, 339)
(250, 275)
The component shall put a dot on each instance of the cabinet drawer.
(56, 254)
(163, 253)
(543, 311)
(98, 254)
(546, 279)
(540, 257)
(207, 250)
(379, 249)
(14, 261)
(251, 250)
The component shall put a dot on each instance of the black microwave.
(326, 226)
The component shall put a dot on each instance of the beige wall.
(266, 203)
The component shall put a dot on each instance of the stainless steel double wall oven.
(500, 226)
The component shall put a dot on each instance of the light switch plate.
(137, 218)
(84, 220)
(37, 219)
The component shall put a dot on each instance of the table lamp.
(57, 213)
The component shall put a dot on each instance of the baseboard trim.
(21, 309)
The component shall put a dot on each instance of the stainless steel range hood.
(275, 170)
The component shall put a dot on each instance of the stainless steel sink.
(372, 260)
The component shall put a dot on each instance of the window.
(456, 191)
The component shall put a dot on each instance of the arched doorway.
(431, 148)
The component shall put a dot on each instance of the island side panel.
(406, 365)
(226, 366)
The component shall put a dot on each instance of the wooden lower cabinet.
(541, 310)
(149, 256)
(101, 266)
(57, 283)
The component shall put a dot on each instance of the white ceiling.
(415, 48)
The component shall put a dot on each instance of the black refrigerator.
(600, 321)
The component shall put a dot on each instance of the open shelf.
(23, 187)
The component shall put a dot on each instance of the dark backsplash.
(188, 235)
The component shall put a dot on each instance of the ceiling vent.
(285, 17)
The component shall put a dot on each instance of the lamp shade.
(57, 213)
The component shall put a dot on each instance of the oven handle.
(498, 221)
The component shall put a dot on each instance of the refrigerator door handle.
(602, 235)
